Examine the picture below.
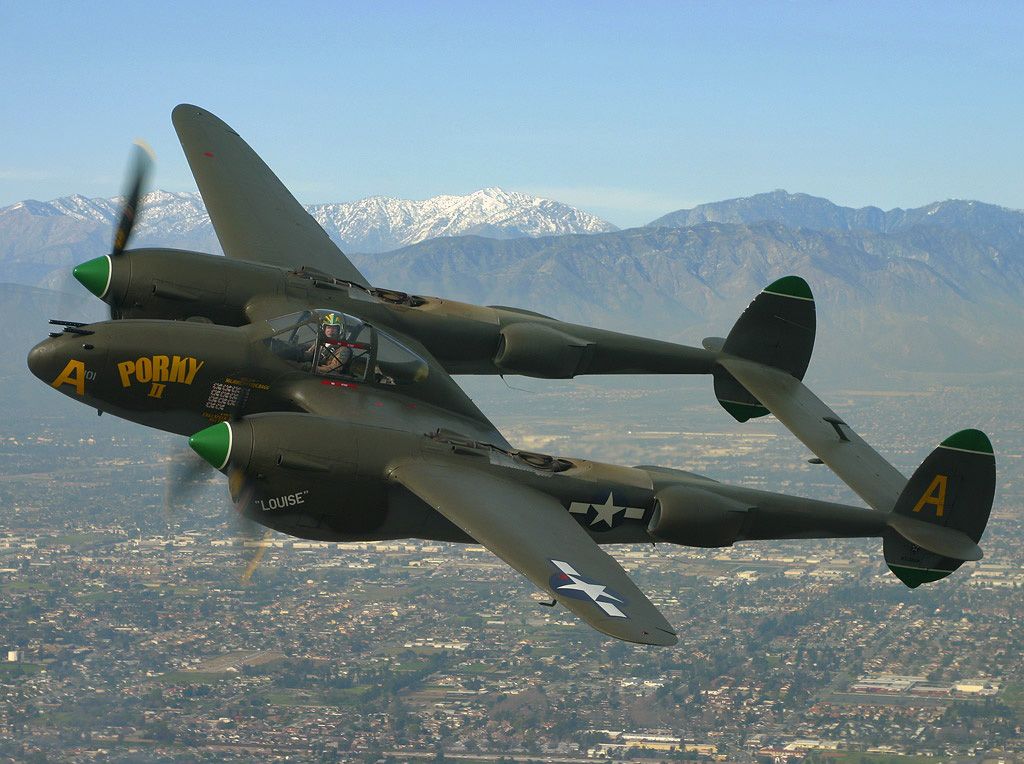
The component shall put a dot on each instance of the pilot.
(333, 357)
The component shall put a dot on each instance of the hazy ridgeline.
(931, 289)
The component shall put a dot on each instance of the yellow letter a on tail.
(935, 495)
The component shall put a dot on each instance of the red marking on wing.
(336, 383)
(208, 154)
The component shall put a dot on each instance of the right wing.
(256, 218)
(533, 532)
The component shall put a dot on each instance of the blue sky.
(627, 110)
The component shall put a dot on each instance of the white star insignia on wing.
(596, 592)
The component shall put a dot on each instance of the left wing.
(256, 218)
(533, 533)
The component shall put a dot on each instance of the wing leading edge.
(256, 218)
(534, 534)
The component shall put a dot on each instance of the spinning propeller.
(94, 275)
(186, 476)
(142, 163)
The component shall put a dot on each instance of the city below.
(129, 634)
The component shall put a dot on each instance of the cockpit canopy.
(341, 346)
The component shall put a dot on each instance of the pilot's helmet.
(329, 320)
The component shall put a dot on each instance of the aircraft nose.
(67, 361)
(43, 360)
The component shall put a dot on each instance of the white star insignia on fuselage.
(606, 512)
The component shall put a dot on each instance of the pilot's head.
(331, 326)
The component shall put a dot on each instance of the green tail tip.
(790, 286)
(94, 275)
(213, 444)
(969, 440)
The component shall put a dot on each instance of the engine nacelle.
(691, 516)
(298, 474)
(322, 477)
(177, 284)
(536, 350)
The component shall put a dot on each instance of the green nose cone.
(94, 275)
(213, 444)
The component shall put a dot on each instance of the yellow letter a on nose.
(73, 374)
(935, 495)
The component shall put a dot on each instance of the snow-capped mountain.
(163, 211)
(376, 224)
(379, 224)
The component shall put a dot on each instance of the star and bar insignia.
(608, 513)
(569, 582)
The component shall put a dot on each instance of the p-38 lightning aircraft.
(334, 420)
(333, 429)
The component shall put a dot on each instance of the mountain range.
(997, 225)
(376, 224)
(935, 288)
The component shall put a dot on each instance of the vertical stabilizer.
(776, 330)
(948, 497)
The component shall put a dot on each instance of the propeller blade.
(248, 529)
(142, 162)
(254, 563)
(186, 476)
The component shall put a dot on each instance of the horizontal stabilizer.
(822, 430)
(948, 542)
